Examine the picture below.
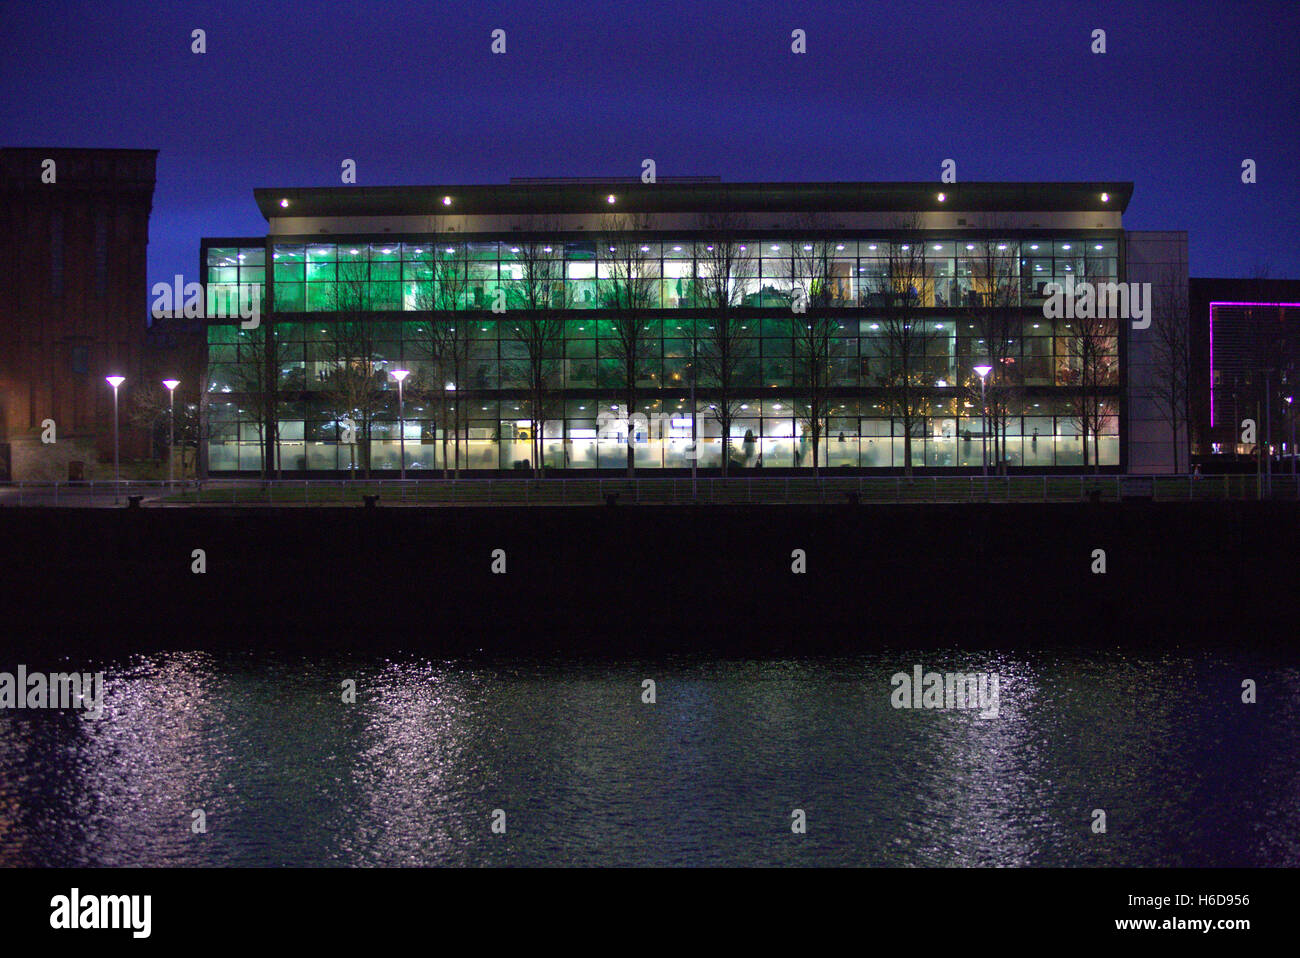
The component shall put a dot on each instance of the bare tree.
(537, 300)
(818, 352)
(628, 291)
(996, 315)
(444, 339)
(151, 411)
(1094, 370)
(907, 334)
(723, 269)
(1171, 364)
(254, 378)
(353, 381)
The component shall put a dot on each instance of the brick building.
(74, 229)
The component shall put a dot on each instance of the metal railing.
(647, 490)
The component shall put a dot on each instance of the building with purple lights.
(1245, 360)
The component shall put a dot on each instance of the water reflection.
(289, 773)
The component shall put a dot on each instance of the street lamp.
(115, 381)
(982, 372)
(1291, 413)
(171, 385)
(695, 437)
(400, 375)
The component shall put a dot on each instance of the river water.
(574, 767)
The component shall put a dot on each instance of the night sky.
(411, 91)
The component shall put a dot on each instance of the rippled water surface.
(586, 773)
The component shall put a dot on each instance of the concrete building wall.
(1158, 258)
(758, 220)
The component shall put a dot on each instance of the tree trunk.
(445, 472)
(725, 422)
(631, 430)
(442, 422)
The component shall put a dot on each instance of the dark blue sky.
(886, 91)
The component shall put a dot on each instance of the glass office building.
(854, 315)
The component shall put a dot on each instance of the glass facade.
(399, 288)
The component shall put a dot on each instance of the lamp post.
(171, 385)
(1268, 431)
(115, 381)
(982, 372)
(695, 438)
(400, 375)
(1291, 413)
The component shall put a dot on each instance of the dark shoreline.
(651, 580)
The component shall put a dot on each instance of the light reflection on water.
(288, 774)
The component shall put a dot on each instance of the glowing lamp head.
(446, 201)
(1105, 197)
(983, 371)
(610, 198)
(171, 383)
(115, 381)
(284, 204)
(400, 374)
